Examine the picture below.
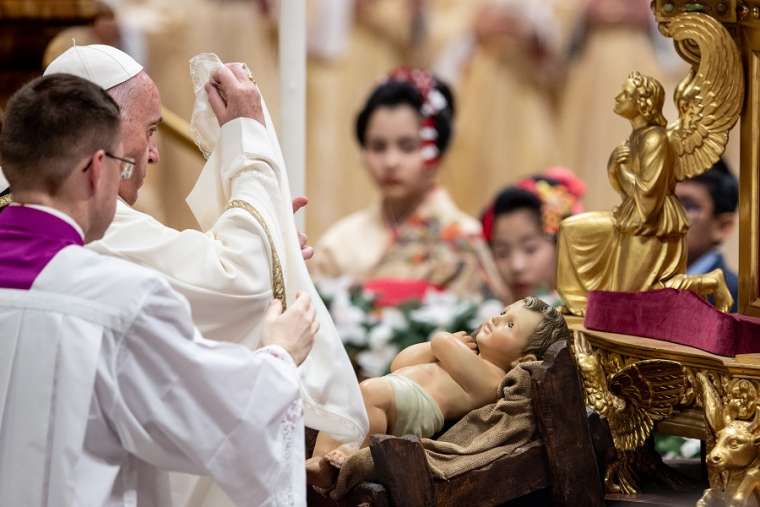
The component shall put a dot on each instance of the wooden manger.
(559, 468)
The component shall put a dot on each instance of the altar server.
(104, 382)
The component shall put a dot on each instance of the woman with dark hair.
(521, 228)
(415, 238)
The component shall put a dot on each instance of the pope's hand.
(294, 329)
(233, 94)
(306, 251)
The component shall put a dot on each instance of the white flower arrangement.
(374, 335)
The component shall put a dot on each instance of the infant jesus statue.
(444, 379)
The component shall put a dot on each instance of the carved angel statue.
(734, 460)
(641, 244)
(631, 400)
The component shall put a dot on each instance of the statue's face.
(505, 336)
(736, 447)
(625, 102)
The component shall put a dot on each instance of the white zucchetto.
(103, 65)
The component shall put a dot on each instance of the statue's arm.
(616, 170)
(415, 354)
(655, 163)
(462, 363)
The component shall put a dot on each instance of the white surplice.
(226, 274)
(105, 385)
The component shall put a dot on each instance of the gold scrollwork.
(733, 476)
(631, 394)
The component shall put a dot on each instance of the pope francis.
(226, 272)
(229, 272)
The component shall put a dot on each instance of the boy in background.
(710, 201)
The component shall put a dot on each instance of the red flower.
(396, 291)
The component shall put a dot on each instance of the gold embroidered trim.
(5, 200)
(278, 279)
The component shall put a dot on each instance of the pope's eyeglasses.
(127, 166)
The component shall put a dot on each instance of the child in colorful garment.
(415, 233)
(521, 227)
(444, 379)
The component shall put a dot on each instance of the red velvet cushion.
(676, 316)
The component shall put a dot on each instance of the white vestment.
(105, 384)
(226, 272)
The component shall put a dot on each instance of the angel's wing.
(592, 374)
(648, 390)
(709, 99)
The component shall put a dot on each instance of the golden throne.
(641, 384)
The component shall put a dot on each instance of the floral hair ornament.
(560, 192)
(433, 102)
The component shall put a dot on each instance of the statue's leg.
(325, 443)
(709, 284)
(709, 499)
(569, 285)
(379, 400)
(319, 471)
(644, 464)
(621, 476)
(330, 454)
(746, 494)
(588, 252)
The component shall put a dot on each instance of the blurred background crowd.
(533, 80)
(453, 176)
(446, 141)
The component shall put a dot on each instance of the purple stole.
(29, 239)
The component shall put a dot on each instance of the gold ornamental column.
(639, 384)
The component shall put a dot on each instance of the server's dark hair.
(51, 123)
